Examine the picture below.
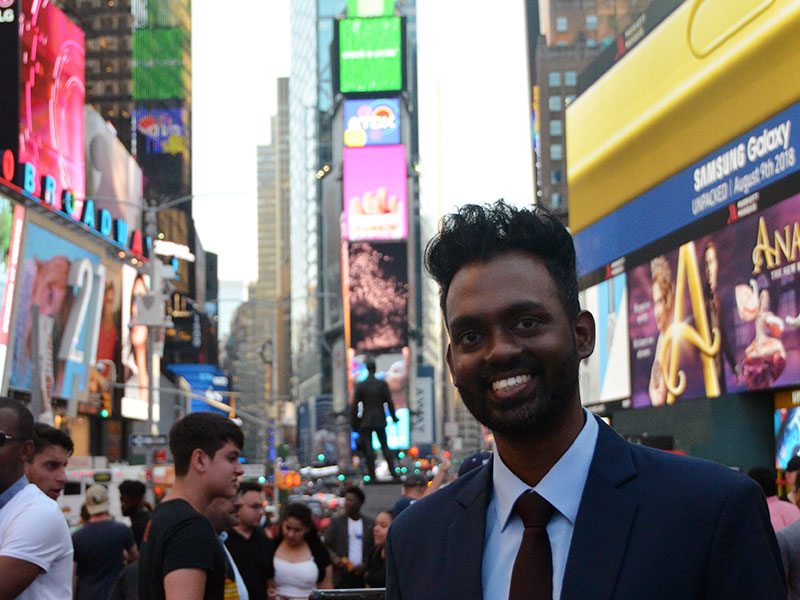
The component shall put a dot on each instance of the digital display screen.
(134, 347)
(393, 369)
(378, 296)
(371, 122)
(52, 94)
(375, 185)
(370, 55)
(158, 64)
(162, 131)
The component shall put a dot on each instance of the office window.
(556, 127)
(561, 23)
(555, 176)
(554, 79)
(568, 100)
(555, 201)
(554, 102)
(591, 43)
(591, 22)
(570, 78)
(556, 152)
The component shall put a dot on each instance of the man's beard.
(519, 418)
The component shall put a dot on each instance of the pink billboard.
(375, 193)
(52, 95)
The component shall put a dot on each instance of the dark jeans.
(369, 453)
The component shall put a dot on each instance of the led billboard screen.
(67, 282)
(202, 379)
(52, 96)
(162, 131)
(370, 55)
(393, 369)
(375, 184)
(371, 122)
(134, 347)
(370, 8)
(378, 296)
(605, 375)
(158, 64)
(12, 220)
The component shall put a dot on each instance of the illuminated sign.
(158, 64)
(163, 131)
(370, 8)
(370, 55)
(375, 186)
(10, 251)
(371, 122)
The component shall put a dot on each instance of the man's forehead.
(8, 420)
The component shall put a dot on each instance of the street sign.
(140, 440)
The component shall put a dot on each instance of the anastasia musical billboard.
(721, 313)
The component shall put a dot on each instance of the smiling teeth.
(502, 384)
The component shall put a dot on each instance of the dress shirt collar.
(563, 484)
(12, 491)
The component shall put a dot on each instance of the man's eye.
(526, 323)
(469, 337)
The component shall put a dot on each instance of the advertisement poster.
(605, 375)
(672, 348)
(109, 343)
(393, 369)
(67, 283)
(370, 55)
(158, 64)
(378, 291)
(160, 131)
(134, 347)
(375, 182)
(11, 228)
(759, 283)
(52, 96)
(371, 122)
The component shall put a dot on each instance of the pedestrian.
(416, 486)
(789, 542)
(371, 399)
(781, 513)
(248, 546)
(51, 451)
(301, 561)
(603, 517)
(790, 474)
(375, 575)
(131, 499)
(35, 547)
(102, 548)
(180, 554)
(349, 539)
(223, 514)
(473, 461)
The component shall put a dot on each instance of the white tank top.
(295, 579)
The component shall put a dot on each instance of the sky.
(238, 52)
(473, 107)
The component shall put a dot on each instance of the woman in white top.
(301, 562)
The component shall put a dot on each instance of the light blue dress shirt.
(562, 487)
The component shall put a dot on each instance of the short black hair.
(356, 491)
(249, 486)
(24, 417)
(793, 464)
(478, 233)
(369, 363)
(45, 435)
(204, 430)
(766, 478)
(130, 488)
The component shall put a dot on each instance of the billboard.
(135, 398)
(370, 8)
(378, 296)
(605, 375)
(375, 184)
(370, 55)
(372, 122)
(160, 130)
(393, 369)
(51, 92)
(158, 64)
(109, 341)
(203, 380)
(67, 282)
(113, 178)
(12, 220)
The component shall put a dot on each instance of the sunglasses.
(4, 437)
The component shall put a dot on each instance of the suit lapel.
(465, 536)
(600, 536)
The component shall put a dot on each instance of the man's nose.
(502, 345)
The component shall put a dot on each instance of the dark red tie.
(532, 577)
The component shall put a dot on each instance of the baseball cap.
(96, 499)
(794, 464)
(415, 480)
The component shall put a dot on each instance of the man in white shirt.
(349, 538)
(35, 546)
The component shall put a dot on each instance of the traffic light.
(413, 451)
(288, 480)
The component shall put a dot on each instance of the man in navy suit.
(627, 521)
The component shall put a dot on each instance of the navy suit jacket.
(650, 525)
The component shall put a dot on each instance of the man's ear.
(27, 451)
(449, 357)
(584, 331)
(199, 460)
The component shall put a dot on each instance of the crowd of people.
(562, 508)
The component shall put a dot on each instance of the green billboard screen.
(158, 64)
(370, 55)
(370, 8)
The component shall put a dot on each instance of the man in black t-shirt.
(131, 499)
(181, 556)
(249, 547)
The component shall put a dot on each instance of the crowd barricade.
(358, 594)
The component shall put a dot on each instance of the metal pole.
(278, 438)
